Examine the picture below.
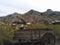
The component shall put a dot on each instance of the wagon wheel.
(49, 39)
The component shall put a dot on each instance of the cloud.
(5, 10)
(22, 6)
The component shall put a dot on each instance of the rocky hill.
(32, 16)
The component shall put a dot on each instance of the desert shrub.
(6, 32)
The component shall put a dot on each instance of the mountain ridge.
(33, 16)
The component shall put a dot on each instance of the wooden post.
(31, 34)
(39, 34)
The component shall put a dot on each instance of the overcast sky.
(22, 6)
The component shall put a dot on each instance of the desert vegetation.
(7, 30)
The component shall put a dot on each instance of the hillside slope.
(32, 16)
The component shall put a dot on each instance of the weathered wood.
(30, 35)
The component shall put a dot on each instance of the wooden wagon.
(34, 37)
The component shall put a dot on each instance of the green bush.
(6, 32)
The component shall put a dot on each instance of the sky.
(22, 6)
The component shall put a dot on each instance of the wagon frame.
(43, 36)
